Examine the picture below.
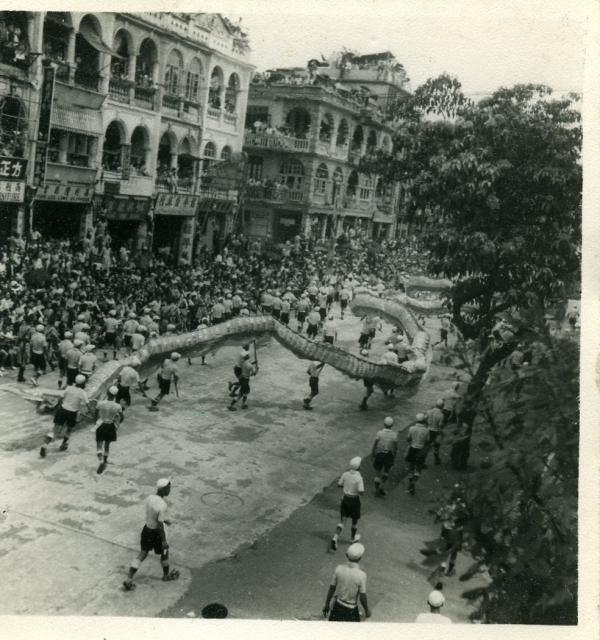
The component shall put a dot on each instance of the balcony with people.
(177, 166)
(287, 187)
(13, 127)
(293, 135)
(71, 158)
(16, 28)
(181, 96)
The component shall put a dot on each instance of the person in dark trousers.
(109, 413)
(384, 452)
(418, 439)
(349, 586)
(353, 485)
(314, 371)
(154, 535)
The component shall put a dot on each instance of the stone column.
(131, 76)
(63, 147)
(18, 221)
(71, 55)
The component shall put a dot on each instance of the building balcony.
(276, 194)
(179, 185)
(91, 81)
(73, 94)
(277, 142)
(171, 102)
(119, 90)
(213, 114)
(70, 174)
(144, 97)
(136, 185)
(323, 147)
(230, 118)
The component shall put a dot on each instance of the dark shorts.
(329, 300)
(312, 298)
(266, 308)
(38, 360)
(433, 436)
(106, 432)
(363, 339)
(65, 417)
(340, 613)
(164, 385)
(444, 334)
(123, 393)
(244, 386)
(383, 460)
(369, 384)
(343, 303)
(285, 318)
(301, 316)
(323, 312)
(372, 333)
(237, 372)
(314, 385)
(416, 457)
(71, 375)
(276, 313)
(312, 330)
(110, 338)
(127, 340)
(350, 508)
(62, 364)
(150, 540)
(328, 339)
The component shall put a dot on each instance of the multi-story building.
(306, 131)
(124, 112)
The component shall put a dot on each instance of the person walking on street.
(302, 307)
(314, 371)
(168, 373)
(329, 330)
(352, 485)
(418, 437)
(344, 299)
(349, 586)
(154, 535)
(384, 452)
(247, 370)
(129, 377)
(74, 400)
(38, 346)
(108, 416)
(314, 319)
(237, 369)
(64, 346)
(435, 422)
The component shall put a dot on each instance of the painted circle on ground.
(221, 500)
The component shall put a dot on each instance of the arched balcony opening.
(89, 49)
(58, 42)
(173, 80)
(226, 153)
(321, 179)
(342, 133)
(166, 163)
(193, 81)
(146, 70)
(215, 89)
(357, 139)
(120, 67)
(231, 93)
(371, 142)
(140, 151)
(326, 128)
(112, 148)
(14, 38)
(352, 184)
(298, 121)
(13, 127)
(186, 166)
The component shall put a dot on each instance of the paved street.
(239, 479)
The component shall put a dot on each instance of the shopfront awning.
(93, 39)
(78, 120)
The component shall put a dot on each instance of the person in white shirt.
(154, 535)
(353, 485)
(108, 418)
(129, 377)
(344, 296)
(436, 601)
(38, 346)
(87, 362)
(329, 330)
(74, 400)
(384, 451)
(418, 439)
(390, 356)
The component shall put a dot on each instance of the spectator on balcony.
(172, 180)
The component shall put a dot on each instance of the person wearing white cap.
(344, 296)
(435, 422)
(108, 418)
(286, 307)
(73, 400)
(247, 369)
(374, 324)
(129, 377)
(322, 303)
(73, 356)
(237, 369)
(129, 328)
(436, 601)
(111, 329)
(167, 373)
(38, 345)
(87, 362)
(154, 535)
(349, 586)
(353, 485)
(314, 371)
(314, 318)
(418, 439)
(64, 346)
(384, 452)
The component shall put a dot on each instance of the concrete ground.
(252, 502)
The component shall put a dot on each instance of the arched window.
(186, 164)
(298, 120)
(14, 49)
(371, 141)
(352, 183)
(173, 73)
(209, 156)
(119, 64)
(321, 178)
(165, 151)
(192, 81)
(292, 174)
(326, 128)
(140, 148)
(111, 150)
(215, 88)
(337, 182)
(146, 60)
(357, 139)
(226, 153)
(231, 93)
(342, 133)
(88, 45)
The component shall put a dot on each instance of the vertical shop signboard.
(125, 161)
(43, 138)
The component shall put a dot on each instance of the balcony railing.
(230, 118)
(62, 71)
(70, 174)
(275, 194)
(214, 114)
(118, 89)
(172, 185)
(274, 141)
(144, 97)
(87, 80)
(170, 102)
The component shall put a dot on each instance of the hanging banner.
(65, 193)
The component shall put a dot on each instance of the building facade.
(122, 115)
(306, 131)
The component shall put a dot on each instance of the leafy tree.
(503, 181)
(523, 500)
